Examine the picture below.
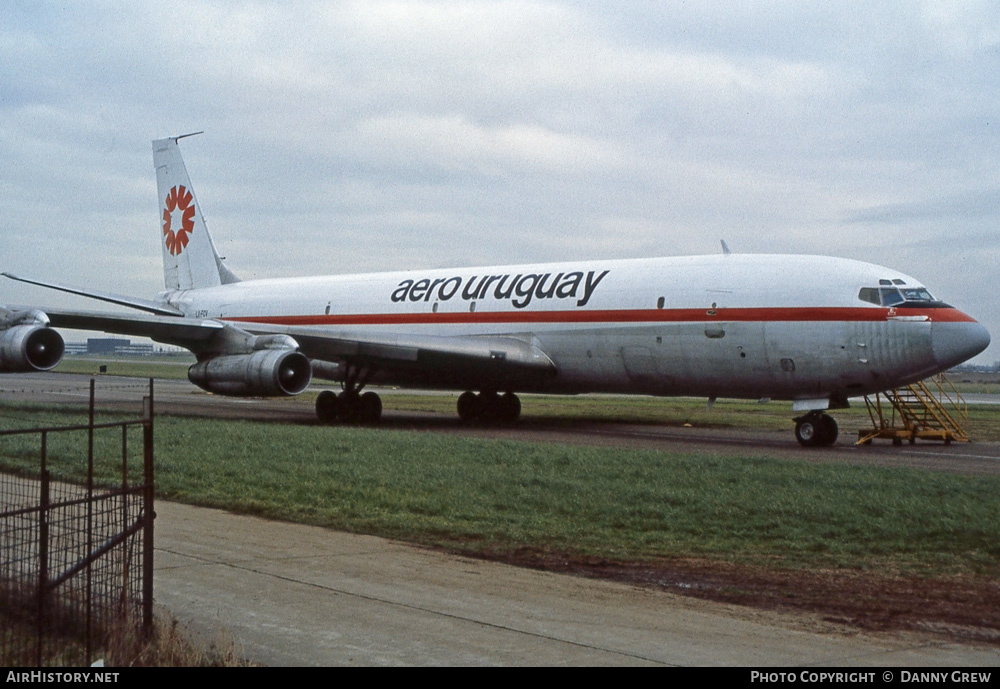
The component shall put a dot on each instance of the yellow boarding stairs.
(931, 410)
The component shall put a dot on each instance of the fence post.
(149, 514)
(43, 549)
(90, 525)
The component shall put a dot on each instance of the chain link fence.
(76, 538)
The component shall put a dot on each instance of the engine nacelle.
(263, 373)
(30, 347)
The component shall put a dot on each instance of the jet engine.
(27, 343)
(274, 369)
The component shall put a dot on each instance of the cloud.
(444, 133)
(981, 204)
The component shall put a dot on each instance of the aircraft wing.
(174, 330)
(432, 360)
(333, 352)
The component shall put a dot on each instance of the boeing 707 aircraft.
(812, 330)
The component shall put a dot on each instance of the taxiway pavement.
(287, 594)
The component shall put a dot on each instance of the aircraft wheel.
(327, 407)
(350, 406)
(510, 408)
(369, 408)
(490, 407)
(468, 407)
(829, 430)
(807, 431)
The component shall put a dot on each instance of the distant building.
(109, 345)
(106, 345)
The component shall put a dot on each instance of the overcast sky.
(363, 136)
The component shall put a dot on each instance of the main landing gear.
(351, 405)
(816, 429)
(489, 407)
(348, 406)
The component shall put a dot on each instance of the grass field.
(495, 497)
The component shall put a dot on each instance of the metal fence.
(76, 539)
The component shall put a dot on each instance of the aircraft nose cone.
(954, 343)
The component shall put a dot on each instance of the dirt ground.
(961, 608)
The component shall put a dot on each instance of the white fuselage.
(750, 326)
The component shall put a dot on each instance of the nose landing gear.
(816, 429)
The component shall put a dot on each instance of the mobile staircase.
(930, 410)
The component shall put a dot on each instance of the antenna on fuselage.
(725, 247)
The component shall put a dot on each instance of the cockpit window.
(917, 294)
(870, 294)
(892, 296)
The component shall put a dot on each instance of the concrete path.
(298, 595)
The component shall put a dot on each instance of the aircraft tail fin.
(190, 259)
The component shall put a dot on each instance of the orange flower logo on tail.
(179, 199)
